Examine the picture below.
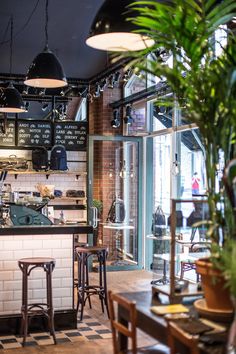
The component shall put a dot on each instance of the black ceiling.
(69, 23)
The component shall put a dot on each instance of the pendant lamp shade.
(111, 31)
(11, 100)
(46, 71)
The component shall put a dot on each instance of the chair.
(129, 332)
(190, 265)
(177, 335)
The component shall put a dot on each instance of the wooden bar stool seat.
(84, 289)
(29, 310)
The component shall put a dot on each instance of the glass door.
(115, 192)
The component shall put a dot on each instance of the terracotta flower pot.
(213, 283)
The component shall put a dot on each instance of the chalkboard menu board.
(7, 133)
(73, 135)
(34, 133)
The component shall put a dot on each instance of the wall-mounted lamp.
(111, 30)
(128, 118)
(10, 98)
(46, 70)
(115, 123)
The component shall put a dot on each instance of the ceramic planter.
(216, 295)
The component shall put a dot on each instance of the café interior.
(97, 253)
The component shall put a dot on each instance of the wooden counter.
(46, 229)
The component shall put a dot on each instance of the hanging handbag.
(158, 222)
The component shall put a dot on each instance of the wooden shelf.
(68, 198)
(47, 173)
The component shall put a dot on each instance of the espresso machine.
(28, 215)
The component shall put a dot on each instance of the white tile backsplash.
(11, 276)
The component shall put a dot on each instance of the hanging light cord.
(4, 41)
(46, 25)
(11, 40)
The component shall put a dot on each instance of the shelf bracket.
(77, 177)
(16, 175)
(47, 175)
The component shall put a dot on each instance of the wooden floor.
(117, 281)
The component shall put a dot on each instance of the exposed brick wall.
(100, 116)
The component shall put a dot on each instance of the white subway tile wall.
(12, 248)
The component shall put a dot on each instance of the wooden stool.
(84, 289)
(28, 310)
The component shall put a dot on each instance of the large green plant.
(205, 85)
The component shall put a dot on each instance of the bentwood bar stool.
(29, 310)
(84, 289)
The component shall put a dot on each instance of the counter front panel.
(14, 247)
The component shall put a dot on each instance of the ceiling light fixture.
(27, 106)
(110, 29)
(10, 99)
(115, 123)
(44, 107)
(111, 81)
(25, 90)
(46, 70)
(128, 118)
(96, 93)
(103, 84)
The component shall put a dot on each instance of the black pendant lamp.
(46, 71)
(10, 99)
(111, 31)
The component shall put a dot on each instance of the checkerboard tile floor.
(89, 329)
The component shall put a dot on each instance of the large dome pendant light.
(111, 31)
(46, 70)
(10, 99)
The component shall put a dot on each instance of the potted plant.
(204, 85)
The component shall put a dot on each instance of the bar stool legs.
(85, 290)
(29, 310)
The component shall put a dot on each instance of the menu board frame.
(78, 132)
(34, 133)
(71, 134)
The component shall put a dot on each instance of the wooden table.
(153, 325)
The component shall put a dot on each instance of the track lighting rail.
(161, 88)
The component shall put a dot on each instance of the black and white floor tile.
(89, 329)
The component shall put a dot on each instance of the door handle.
(95, 217)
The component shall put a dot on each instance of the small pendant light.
(10, 99)
(111, 31)
(46, 70)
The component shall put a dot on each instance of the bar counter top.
(46, 229)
